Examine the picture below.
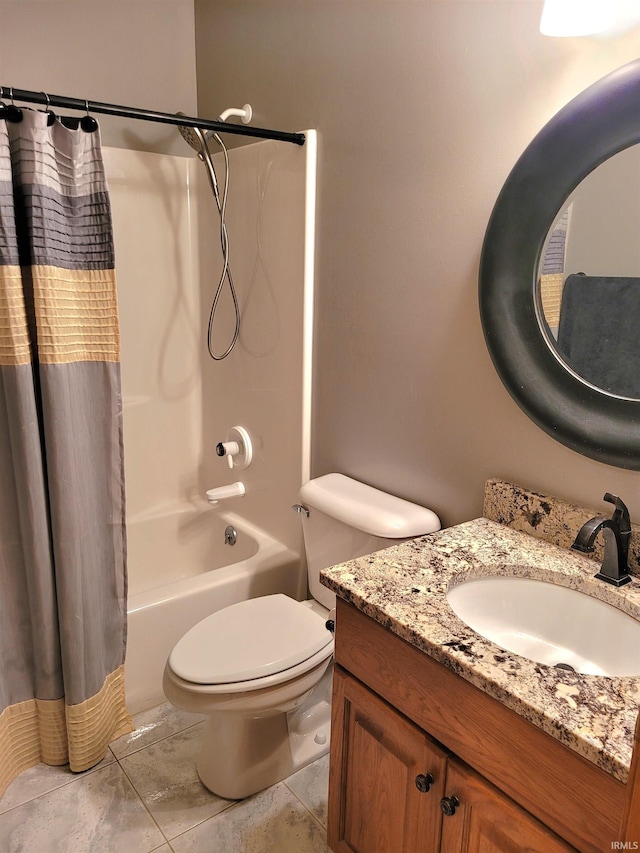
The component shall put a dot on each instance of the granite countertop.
(404, 589)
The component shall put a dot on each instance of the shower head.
(192, 136)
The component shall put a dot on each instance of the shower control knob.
(227, 448)
(237, 448)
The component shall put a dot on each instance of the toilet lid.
(251, 639)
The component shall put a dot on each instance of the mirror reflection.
(588, 279)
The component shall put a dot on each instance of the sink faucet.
(617, 534)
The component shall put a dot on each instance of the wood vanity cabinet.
(411, 741)
(391, 776)
(392, 779)
(489, 821)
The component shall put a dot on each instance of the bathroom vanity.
(442, 740)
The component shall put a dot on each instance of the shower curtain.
(62, 534)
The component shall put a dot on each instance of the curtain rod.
(146, 115)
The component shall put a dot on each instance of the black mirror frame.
(598, 123)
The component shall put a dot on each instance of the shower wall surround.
(158, 294)
(265, 384)
(178, 403)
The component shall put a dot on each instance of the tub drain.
(566, 666)
(230, 535)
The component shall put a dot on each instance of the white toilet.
(261, 669)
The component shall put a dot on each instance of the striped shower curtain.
(62, 534)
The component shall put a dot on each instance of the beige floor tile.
(311, 786)
(273, 821)
(99, 813)
(165, 777)
(41, 779)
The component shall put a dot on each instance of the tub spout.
(233, 490)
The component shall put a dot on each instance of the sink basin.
(550, 624)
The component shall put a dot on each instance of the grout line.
(119, 761)
(79, 777)
(159, 740)
(200, 822)
(137, 793)
(234, 805)
(300, 800)
(73, 777)
(146, 808)
(162, 846)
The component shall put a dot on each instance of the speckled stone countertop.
(404, 589)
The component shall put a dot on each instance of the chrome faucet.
(617, 535)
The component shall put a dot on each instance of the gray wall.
(422, 109)
(138, 53)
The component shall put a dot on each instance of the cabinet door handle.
(424, 781)
(448, 805)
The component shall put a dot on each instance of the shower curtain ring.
(13, 113)
(51, 116)
(87, 122)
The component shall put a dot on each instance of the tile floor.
(145, 796)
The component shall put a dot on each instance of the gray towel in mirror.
(599, 331)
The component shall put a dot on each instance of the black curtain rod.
(146, 115)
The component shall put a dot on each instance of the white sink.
(550, 624)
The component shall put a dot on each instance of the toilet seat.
(267, 685)
(263, 640)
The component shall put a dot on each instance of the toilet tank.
(348, 519)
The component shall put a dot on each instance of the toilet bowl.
(250, 667)
(261, 669)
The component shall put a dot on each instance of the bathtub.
(181, 570)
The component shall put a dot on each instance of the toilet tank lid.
(367, 509)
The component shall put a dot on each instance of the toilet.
(261, 670)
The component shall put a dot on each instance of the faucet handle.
(621, 513)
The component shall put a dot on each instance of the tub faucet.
(617, 535)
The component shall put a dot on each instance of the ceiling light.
(577, 17)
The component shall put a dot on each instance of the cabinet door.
(487, 821)
(380, 766)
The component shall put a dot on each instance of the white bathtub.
(180, 571)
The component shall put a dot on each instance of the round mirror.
(575, 377)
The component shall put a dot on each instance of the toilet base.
(240, 756)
